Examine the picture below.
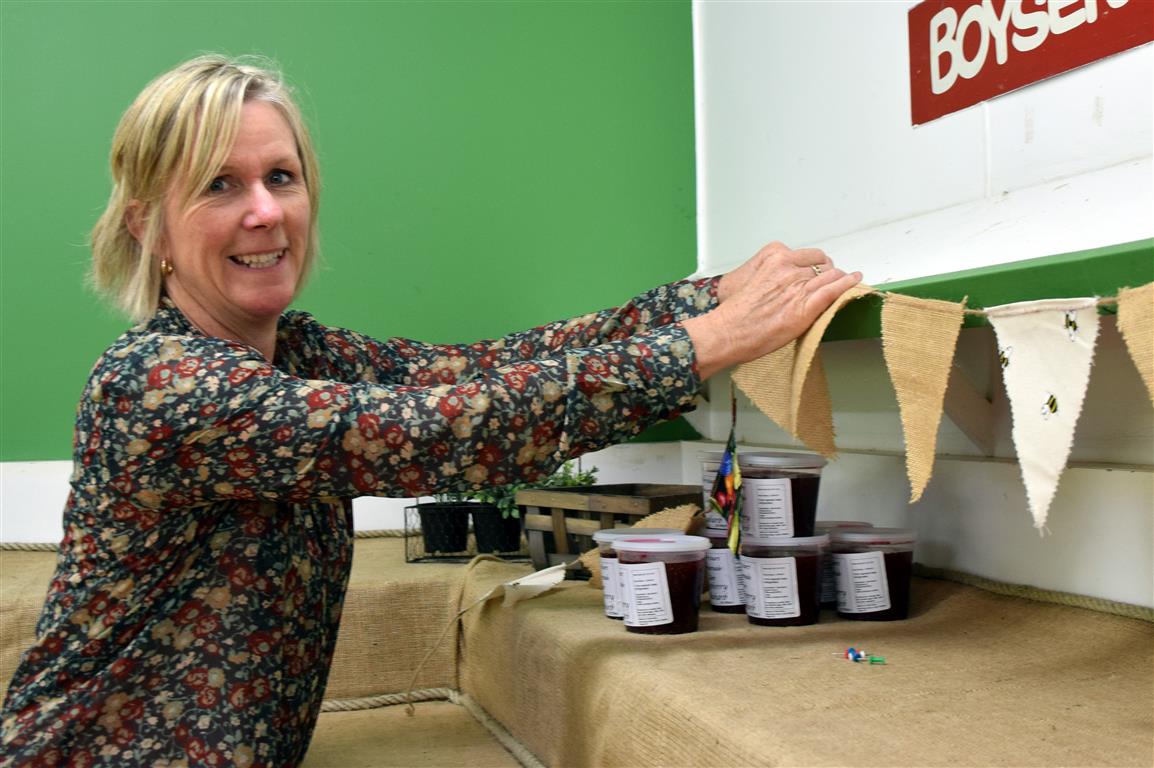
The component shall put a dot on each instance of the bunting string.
(1045, 349)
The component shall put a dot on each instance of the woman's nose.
(264, 210)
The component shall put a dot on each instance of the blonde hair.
(181, 126)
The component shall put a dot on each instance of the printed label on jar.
(767, 509)
(622, 604)
(862, 586)
(771, 587)
(646, 594)
(609, 587)
(725, 588)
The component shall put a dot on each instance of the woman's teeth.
(259, 260)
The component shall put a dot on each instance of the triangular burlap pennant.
(1136, 322)
(807, 347)
(918, 341)
(1046, 348)
(790, 389)
(768, 383)
(814, 416)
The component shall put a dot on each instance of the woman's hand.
(764, 304)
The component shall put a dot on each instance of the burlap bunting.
(1136, 322)
(789, 385)
(918, 341)
(919, 337)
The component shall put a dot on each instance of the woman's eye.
(280, 178)
(217, 185)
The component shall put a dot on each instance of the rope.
(1037, 594)
(518, 750)
(388, 699)
(508, 741)
(1103, 303)
(21, 546)
(37, 546)
(385, 533)
(449, 625)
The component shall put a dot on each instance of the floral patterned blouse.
(193, 614)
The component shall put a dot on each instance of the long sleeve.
(415, 363)
(208, 535)
(185, 420)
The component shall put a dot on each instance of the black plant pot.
(493, 532)
(445, 526)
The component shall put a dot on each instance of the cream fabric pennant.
(1136, 322)
(1046, 348)
(789, 388)
(918, 341)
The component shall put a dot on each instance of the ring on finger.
(816, 269)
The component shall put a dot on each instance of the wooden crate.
(560, 522)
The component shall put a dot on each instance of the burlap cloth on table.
(442, 734)
(973, 678)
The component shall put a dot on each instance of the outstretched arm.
(764, 304)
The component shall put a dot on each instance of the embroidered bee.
(1050, 406)
(1004, 356)
(1071, 324)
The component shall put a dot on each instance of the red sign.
(963, 52)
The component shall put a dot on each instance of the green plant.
(504, 497)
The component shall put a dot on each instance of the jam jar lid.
(610, 534)
(874, 535)
(770, 460)
(829, 525)
(787, 541)
(662, 544)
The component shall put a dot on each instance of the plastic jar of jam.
(828, 580)
(723, 574)
(873, 567)
(662, 578)
(715, 524)
(779, 492)
(610, 579)
(783, 579)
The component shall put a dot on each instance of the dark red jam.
(828, 587)
(899, 570)
(808, 592)
(686, 581)
(803, 490)
(727, 608)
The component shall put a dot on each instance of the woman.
(208, 535)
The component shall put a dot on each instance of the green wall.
(487, 166)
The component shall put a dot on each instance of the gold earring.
(166, 267)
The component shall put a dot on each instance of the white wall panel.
(1077, 122)
(806, 126)
(804, 135)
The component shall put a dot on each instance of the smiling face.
(238, 247)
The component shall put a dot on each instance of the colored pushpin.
(877, 659)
